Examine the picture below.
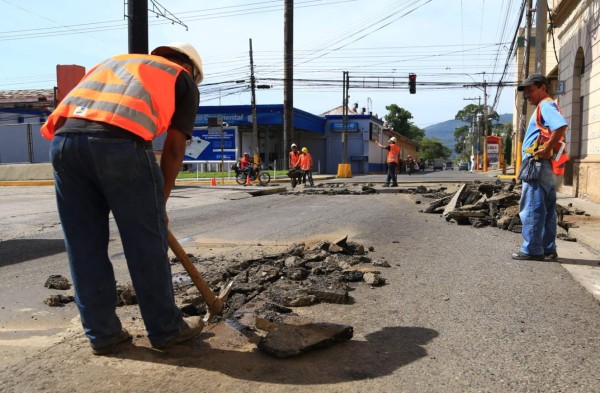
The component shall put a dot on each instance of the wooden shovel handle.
(209, 297)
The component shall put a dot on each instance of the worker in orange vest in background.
(393, 159)
(294, 161)
(306, 164)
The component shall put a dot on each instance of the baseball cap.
(531, 79)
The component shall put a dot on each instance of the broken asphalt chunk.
(291, 340)
(56, 281)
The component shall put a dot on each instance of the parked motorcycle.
(260, 174)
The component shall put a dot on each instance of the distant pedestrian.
(306, 164)
(294, 159)
(295, 172)
(537, 211)
(103, 161)
(393, 159)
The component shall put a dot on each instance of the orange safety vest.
(294, 159)
(306, 162)
(133, 92)
(558, 166)
(244, 162)
(393, 153)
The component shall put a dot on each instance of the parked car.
(449, 165)
(438, 163)
(463, 166)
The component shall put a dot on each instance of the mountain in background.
(444, 131)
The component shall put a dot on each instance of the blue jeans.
(538, 213)
(95, 174)
(391, 173)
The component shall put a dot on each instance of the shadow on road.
(21, 250)
(579, 262)
(381, 354)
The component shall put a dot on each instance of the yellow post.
(344, 170)
(518, 158)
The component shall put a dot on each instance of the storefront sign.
(492, 148)
(206, 143)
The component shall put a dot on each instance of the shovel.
(214, 303)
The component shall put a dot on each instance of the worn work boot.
(521, 256)
(395, 185)
(193, 327)
(550, 256)
(122, 338)
(385, 185)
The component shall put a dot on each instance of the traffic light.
(412, 83)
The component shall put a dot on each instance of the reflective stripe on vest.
(133, 92)
(393, 154)
(558, 166)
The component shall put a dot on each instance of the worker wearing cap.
(538, 197)
(306, 164)
(246, 164)
(101, 150)
(393, 159)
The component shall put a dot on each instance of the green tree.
(399, 120)
(472, 115)
(432, 148)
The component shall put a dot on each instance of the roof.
(339, 110)
(241, 115)
(14, 96)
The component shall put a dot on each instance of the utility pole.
(137, 16)
(541, 29)
(521, 129)
(473, 138)
(254, 119)
(288, 76)
(344, 169)
(485, 126)
(345, 99)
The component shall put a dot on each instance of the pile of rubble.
(297, 277)
(265, 288)
(493, 204)
(332, 189)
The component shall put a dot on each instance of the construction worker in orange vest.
(393, 159)
(543, 146)
(306, 164)
(294, 160)
(101, 150)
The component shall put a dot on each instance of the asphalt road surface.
(457, 314)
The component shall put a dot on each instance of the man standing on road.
(393, 157)
(103, 161)
(294, 160)
(537, 210)
(295, 172)
(306, 164)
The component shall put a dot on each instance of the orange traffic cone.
(213, 182)
(248, 181)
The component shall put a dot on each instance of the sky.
(448, 44)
